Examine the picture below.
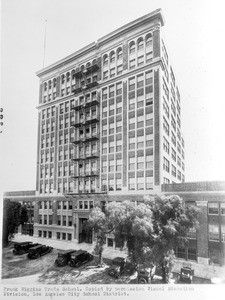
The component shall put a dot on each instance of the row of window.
(139, 183)
(174, 171)
(60, 205)
(59, 235)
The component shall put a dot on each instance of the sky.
(194, 32)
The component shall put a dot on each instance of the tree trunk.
(101, 262)
(165, 275)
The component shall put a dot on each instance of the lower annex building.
(206, 245)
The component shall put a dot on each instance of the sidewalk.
(202, 271)
(65, 245)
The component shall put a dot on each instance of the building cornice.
(157, 14)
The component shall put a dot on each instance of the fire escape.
(86, 141)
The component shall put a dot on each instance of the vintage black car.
(64, 257)
(145, 275)
(23, 247)
(79, 257)
(186, 274)
(38, 251)
(121, 265)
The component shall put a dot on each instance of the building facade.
(206, 244)
(109, 126)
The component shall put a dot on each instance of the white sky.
(194, 31)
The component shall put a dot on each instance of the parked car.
(23, 247)
(121, 265)
(145, 275)
(38, 251)
(186, 274)
(79, 257)
(63, 257)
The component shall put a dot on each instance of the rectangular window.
(119, 69)
(140, 162)
(140, 81)
(192, 254)
(111, 184)
(214, 232)
(119, 88)
(181, 253)
(166, 145)
(50, 219)
(110, 242)
(58, 235)
(132, 63)
(222, 208)
(166, 165)
(131, 84)
(132, 183)
(140, 60)
(166, 126)
(104, 93)
(140, 142)
(223, 233)
(111, 165)
(173, 155)
(149, 140)
(112, 72)
(213, 208)
(132, 123)
(131, 163)
(64, 220)
(69, 220)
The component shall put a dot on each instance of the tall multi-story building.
(109, 124)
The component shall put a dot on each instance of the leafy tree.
(14, 214)
(133, 227)
(172, 221)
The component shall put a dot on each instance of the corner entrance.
(84, 235)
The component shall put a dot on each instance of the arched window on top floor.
(54, 82)
(62, 79)
(140, 44)
(148, 40)
(73, 74)
(112, 57)
(67, 77)
(88, 65)
(45, 86)
(49, 84)
(105, 60)
(132, 47)
(119, 53)
(94, 62)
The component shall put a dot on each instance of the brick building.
(207, 245)
(109, 124)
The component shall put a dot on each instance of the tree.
(14, 214)
(98, 222)
(172, 221)
(132, 226)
